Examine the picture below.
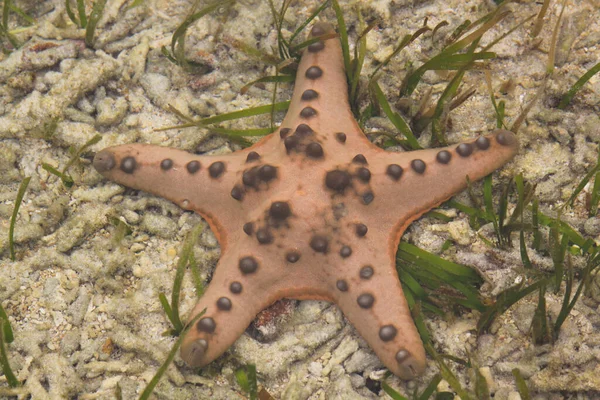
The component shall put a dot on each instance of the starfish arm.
(231, 305)
(200, 183)
(320, 96)
(225, 320)
(372, 300)
(414, 182)
(241, 287)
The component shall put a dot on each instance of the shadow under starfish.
(312, 211)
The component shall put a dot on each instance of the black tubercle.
(394, 171)
(236, 287)
(283, 132)
(314, 150)
(361, 230)
(363, 174)
(292, 256)
(279, 210)
(248, 228)
(337, 180)
(365, 300)
(264, 236)
(309, 94)
(308, 112)
(128, 165)
(248, 265)
(444, 157)
(252, 156)
(418, 166)
(224, 304)
(320, 244)
(316, 47)
(346, 251)
(342, 285)
(193, 166)
(216, 169)
(482, 143)
(206, 324)
(166, 164)
(314, 72)
(237, 192)
(464, 149)
(359, 159)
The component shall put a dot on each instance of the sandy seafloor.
(85, 309)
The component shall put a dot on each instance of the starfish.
(312, 211)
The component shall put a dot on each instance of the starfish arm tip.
(220, 326)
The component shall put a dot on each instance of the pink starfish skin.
(312, 211)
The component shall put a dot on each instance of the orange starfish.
(313, 211)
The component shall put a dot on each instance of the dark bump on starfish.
(387, 332)
(314, 72)
(316, 47)
(249, 177)
(340, 137)
(248, 228)
(248, 265)
(320, 244)
(361, 230)
(443, 157)
(464, 149)
(363, 174)
(394, 171)
(308, 112)
(224, 304)
(279, 210)
(505, 138)
(290, 143)
(346, 251)
(292, 256)
(264, 236)
(236, 288)
(237, 192)
(418, 166)
(198, 348)
(482, 143)
(342, 285)
(365, 300)
(402, 356)
(319, 29)
(206, 324)
(367, 198)
(309, 94)
(283, 132)
(314, 150)
(193, 166)
(337, 180)
(359, 159)
(267, 173)
(216, 169)
(304, 130)
(104, 161)
(252, 156)
(128, 165)
(366, 272)
(166, 164)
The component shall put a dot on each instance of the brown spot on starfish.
(334, 237)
